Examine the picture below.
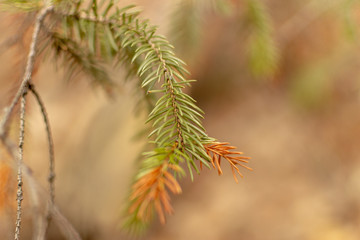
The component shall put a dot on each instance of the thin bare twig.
(43, 226)
(51, 177)
(19, 194)
(37, 192)
(28, 71)
(64, 225)
(21, 94)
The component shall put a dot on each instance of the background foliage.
(300, 125)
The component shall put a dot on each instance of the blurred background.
(279, 79)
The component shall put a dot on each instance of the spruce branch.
(178, 123)
(151, 186)
(177, 132)
(150, 189)
(87, 37)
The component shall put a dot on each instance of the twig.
(63, 224)
(43, 226)
(19, 195)
(51, 177)
(21, 94)
(28, 71)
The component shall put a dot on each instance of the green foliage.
(187, 21)
(311, 87)
(186, 25)
(262, 53)
(20, 5)
(121, 35)
(78, 60)
(350, 25)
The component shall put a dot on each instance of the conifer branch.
(178, 134)
(86, 37)
(150, 190)
(177, 123)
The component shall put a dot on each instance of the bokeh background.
(282, 85)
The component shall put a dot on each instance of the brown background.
(301, 127)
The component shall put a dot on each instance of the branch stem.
(169, 79)
(19, 194)
(21, 94)
(51, 178)
(28, 71)
(66, 228)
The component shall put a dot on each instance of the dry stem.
(28, 71)
(37, 192)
